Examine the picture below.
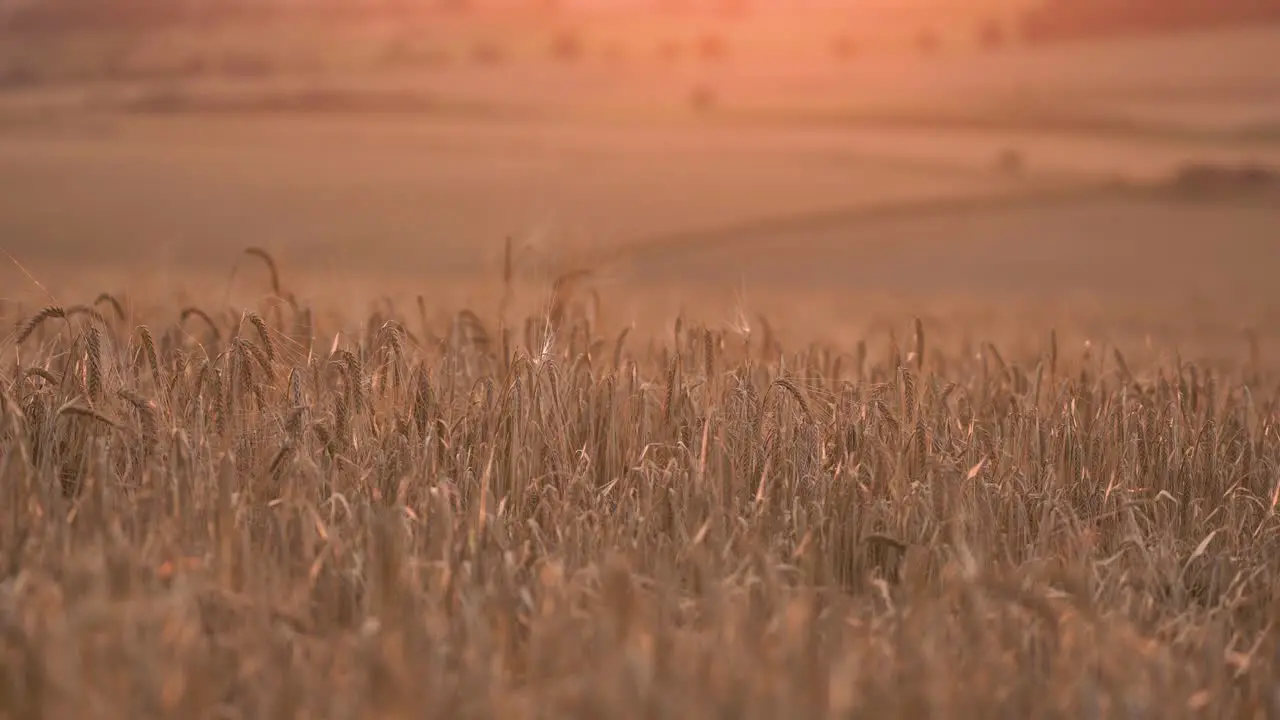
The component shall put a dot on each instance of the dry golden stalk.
(708, 355)
(919, 351)
(85, 412)
(93, 345)
(794, 391)
(197, 312)
(115, 304)
(270, 262)
(149, 349)
(41, 373)
(668, 404)
(264, 334)
(146, 417)
(29, 327)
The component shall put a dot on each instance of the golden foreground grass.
(266, 513)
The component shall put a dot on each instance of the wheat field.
(282, 510)
(825, 375)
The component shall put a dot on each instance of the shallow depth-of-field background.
(531, 364)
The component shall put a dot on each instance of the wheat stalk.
(270, 262)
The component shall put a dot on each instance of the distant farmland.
(1075, 18)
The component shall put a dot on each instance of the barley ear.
(270, 262)
(29, 327)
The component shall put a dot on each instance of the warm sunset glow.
(639, 359)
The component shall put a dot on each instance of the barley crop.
(243, 518)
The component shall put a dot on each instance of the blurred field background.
(714, 145)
